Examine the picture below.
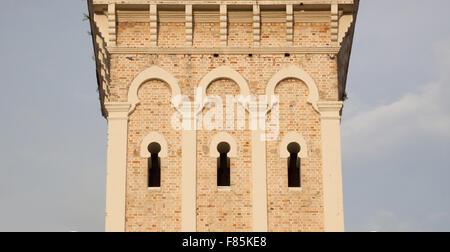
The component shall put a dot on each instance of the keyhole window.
(223, 165)
(154, 165)
(294, 166)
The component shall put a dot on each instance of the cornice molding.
(143, 16)
(223, 50)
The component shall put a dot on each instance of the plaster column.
(116, 166)
(259, 174)
(189, 171)
(332, 166)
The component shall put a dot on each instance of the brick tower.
(159, 62)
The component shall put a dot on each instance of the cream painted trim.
(296, 73)
(293, 137)
(112, 29)
(188, 25)
(154, 189)
(139, 16)
(223, 50)
(334, 23)
(153, 19)
(229, 2)
(256, 25)
(150, 73)
(332, 166)
(259, 183)
(223, 25)
(189, 181)
(290, 24)
(223, 137)
(224, 72)
(154, 137)
(116, 174)
(345, 21)
(224, 188)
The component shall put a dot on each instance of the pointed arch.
(151, 73)
(295, 73)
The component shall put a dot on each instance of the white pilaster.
(116, 166)
(332, 166)
(259, 175)
(189, 171)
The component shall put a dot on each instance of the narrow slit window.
(294, 166)
(154, 166)
(223, 165)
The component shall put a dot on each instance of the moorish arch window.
(154, 165)
(153, 149)
(223, 165)
(294, 165)
(293, 149)
(223, 147)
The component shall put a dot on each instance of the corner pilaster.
(332, 165)
(116, 166)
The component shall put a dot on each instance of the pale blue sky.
(396, 126)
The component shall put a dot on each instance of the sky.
(395, 127)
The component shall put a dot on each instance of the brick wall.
(290, 210)
(223, 210)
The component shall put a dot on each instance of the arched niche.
(220, 73)
(293, 72)
(151, 73)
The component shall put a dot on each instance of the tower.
(223, 115)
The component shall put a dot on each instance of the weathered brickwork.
(240, 35)
(171, 34)
(223, 210)
(133, 34)
(206, 35)
(295, 210)
(273, 34)
(148, 51)
(312, 34)
(257, 70)
(147, 209)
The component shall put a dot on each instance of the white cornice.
(224, 50)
